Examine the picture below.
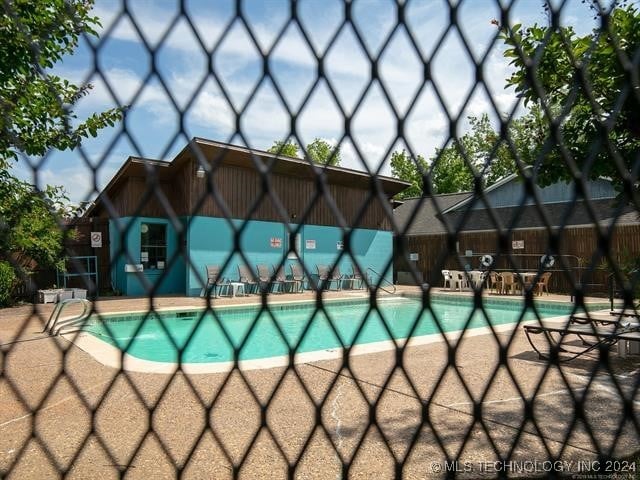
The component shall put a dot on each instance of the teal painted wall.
(170, 280)
(210, 240)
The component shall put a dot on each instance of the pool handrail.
(369, 269)
(54, 320)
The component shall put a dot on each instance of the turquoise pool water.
(190, 337)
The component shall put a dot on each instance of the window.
(153, 246)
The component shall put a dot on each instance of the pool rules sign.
(96, 239)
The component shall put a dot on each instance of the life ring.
(547, 261)
(486, 261)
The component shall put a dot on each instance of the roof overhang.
(132, 167)
(210, 153)
(223, 153)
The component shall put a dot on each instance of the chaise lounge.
(326, 277)
(601, 333)
(248, 278)
(214, 282)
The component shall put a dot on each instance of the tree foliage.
(589, 85)
(7, 283)
(288, 149)
(29, 230)
(36, 106)
(450, 173)
(37, 116)
(481, 152)
(585, 84)
(404, 167)
(321, 151)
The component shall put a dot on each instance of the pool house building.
(167, 221)
(507, 207)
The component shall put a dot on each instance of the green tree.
(481, 150)
(29, 230)
(36, 105)
(37, 116)
(449, 171)
(588, 85)
(449, 174)
(320, 151)
(288, 149)
(406, 168)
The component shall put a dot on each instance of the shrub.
(7, 281)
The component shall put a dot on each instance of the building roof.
(440, 214)
(427, 218)
(216, 153)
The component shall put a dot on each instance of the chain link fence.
(447, 331)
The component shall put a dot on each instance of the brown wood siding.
(136, 198)
(80, 245)
(241, 190)
(437, 253)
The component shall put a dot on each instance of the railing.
(382, 281)
(80, 267)
(55, 326)
(611, 282)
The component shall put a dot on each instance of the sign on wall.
(310, 244)
(275, 242)
(413, 257)
(96, 239)
(517, 244)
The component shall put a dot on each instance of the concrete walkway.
(384, 414)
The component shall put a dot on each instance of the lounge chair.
(356, 276)
(282, 280)
(602, 335)
(246, 276)
(266, 280)
(326, 277)
(604, 318)
(298, 276)
(214, 281)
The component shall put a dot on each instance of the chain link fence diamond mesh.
(254, 314)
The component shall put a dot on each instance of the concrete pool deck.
(94, 420)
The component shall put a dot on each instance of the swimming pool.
(196, 337)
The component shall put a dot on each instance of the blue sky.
(125, 77)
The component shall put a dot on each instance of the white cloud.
(238, 64)
(70, 170)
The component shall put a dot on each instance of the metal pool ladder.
(55, 326)
(383, 281)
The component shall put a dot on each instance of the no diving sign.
(96, 239)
